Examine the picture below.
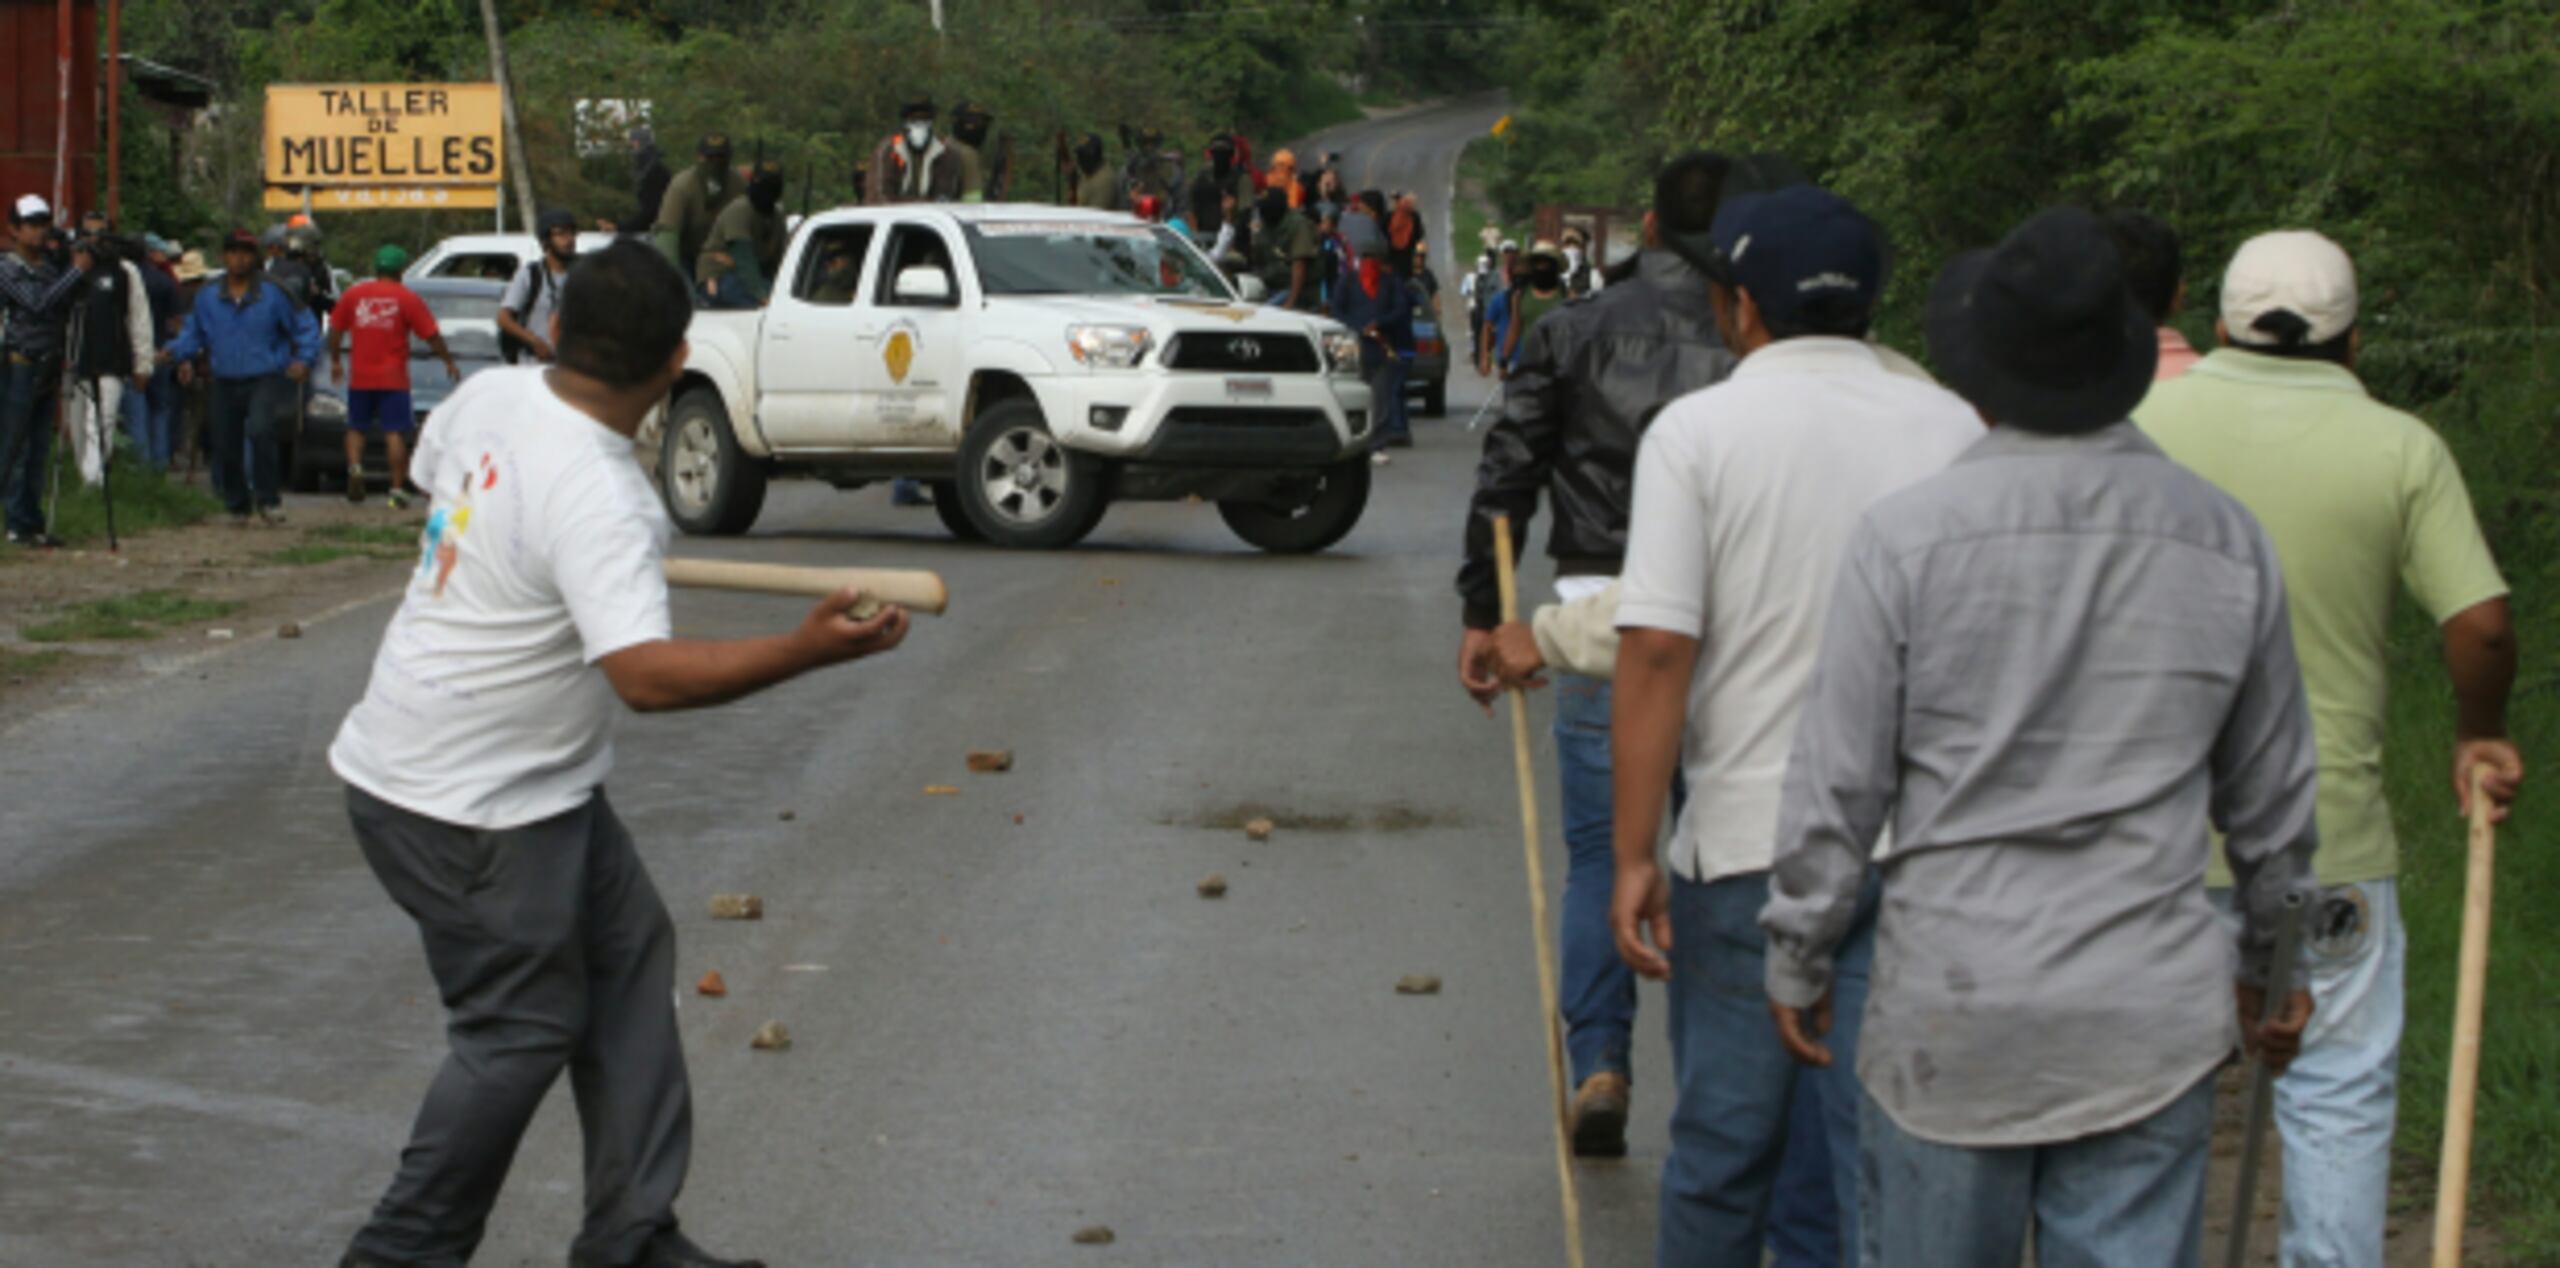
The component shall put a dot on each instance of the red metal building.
(49, 100)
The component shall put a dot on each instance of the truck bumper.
(1210, 420)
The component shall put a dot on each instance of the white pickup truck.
(1032, 364)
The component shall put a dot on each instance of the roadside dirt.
(329, 553)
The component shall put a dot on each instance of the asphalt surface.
(1013, 1016)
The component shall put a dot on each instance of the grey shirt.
(2046, 668)
(34, 295)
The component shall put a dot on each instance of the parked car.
(466, 311)
(494, 257)
(1033, 363)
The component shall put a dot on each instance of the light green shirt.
(2359, 499)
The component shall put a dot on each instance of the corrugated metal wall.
(30, 94)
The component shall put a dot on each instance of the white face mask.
(1572, 258)
(919, 135)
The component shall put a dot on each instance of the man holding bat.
(475, 767)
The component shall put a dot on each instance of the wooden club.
(914, 591)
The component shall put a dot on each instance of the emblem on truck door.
(899, 350)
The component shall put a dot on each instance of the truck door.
(812, 334)
(909, 370)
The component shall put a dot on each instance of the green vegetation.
(126, 617)
(18, 667)
(322, 553)
(145, 500)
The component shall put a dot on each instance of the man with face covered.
(914, 165)
(1285, 252)
(985, 167)
(1222, 185)
(1096, 187)
(738, 263)
(694, 199)
(1151, 171)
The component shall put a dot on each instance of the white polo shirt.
(1745, 495)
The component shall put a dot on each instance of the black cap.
(1799, 250)
(554, 219)
(921, 106)
(240, 240)
(714, 144)
(2040, 331)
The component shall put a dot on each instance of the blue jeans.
(151, 418)
(1738, 1085)
(1804, 1212)
(1596, 989)
(1386, 378)
(2130, 1196)
(2336, 1105)
(26, 440)
(243, 422)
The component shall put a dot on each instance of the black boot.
(671, 1249)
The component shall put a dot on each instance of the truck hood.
(1169, 316)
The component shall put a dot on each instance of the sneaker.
(396, 500)
(1599, 1119)
(272, 516)
(37, 540)
(1379, 458)
(355, 484)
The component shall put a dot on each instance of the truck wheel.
(711, 486)
(954, 516)
(1435, 400)
(1310, 525)
(1023, 489)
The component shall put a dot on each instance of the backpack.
(293, 277)
(510, 348)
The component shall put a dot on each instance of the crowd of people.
(2001, 721)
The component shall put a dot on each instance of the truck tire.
(712, 488)
(1311, 525)
(1021, 488)
(954, 516)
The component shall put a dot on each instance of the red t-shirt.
(380, 315)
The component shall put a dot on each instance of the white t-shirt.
(534, 309)
(1745, 495)
(542, 555)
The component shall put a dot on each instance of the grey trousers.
(551, 950)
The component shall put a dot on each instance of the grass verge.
(1473, 209)
(127, 617)
(18, 667)
(390, 535)
(144, 500)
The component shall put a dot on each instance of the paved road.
(213, 1026)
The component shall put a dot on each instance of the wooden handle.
(914, 591)
(2453, 1180)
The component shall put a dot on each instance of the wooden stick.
(2453, 1180)
(2262, 1081)
(914, 591)
(1547, 1016)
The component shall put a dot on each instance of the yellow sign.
(901, 354)
(367, 198)
(383, 134)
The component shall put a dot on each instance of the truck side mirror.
(923, 284)
(1252, 289)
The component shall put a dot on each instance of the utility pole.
(507, 109)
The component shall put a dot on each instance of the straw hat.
(191, 267)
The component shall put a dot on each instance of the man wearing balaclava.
(1096, 186)
(914, 165)
(1224, 179)
(649, 180)
(744, 254)
(693, 200)
(1151, 170)
(1285, 253)
(984, 162)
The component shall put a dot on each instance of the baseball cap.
(1509, 246)
(240, 240)
(390, 259)
(1798, 248)
(30, 207)
(153, 242)
(2295, 271)
(555, 219)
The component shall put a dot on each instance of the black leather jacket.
(1590, 379)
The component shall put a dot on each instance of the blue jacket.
(1391, 311)
(251, 339)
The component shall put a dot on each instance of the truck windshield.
(1060, 257)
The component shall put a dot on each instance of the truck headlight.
(1109, 347)
(1342, 351)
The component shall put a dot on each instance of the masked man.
(694, 199)
(1095, 187)
(985, 163)
(913, 165)
(738, 265)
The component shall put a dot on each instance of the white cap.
(31, 206)
(1510, 244)
(2296, 271)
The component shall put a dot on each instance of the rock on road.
(214, 1027)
